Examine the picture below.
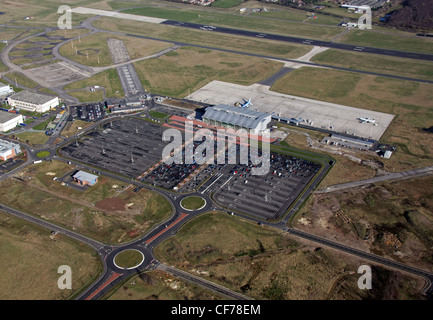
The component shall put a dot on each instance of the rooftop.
(32, 97)
(243, 117)
(85, 176)
(6, 116)
(6, 145)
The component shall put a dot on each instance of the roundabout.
(192, 203)
(128, 259)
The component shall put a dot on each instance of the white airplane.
(366, 120)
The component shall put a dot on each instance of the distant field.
(22, 80)
(377, 63)
(88, 49)
(192, 68)
(239, 21)
(410, 101)
(387, 41)
(30, 260)
(199, 37)
(265, 264)
(108, 79)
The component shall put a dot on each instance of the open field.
(33, 138)
(410, 102)
(30, 259)
(106, 212)
(265, 264)
(22, 80)
(44, 14)
(399, 41)
(108, 79)
(157, 285)
(199, 37)
(92, 50)
(377, 63)
(192, 68)
(392, 219)
(208, 17)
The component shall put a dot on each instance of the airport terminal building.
(237, 118)
(9, 120)
(34, 102)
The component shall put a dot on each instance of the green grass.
(33, 138)
(128, 258)
(22, 80)
(226, 3)
(158, 115)
(193, 203)
(388, 41)
(377, 63)
(43, 154)
(43, 125)
(237, 21)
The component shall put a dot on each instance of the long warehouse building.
(34, 102)
(237, 118)
(9, 120)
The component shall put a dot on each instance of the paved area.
(115, 14)
(320, 114)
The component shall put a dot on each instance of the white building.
(9, 120)
(34, 102)
(4, 90)
(237, 118)
(8, 150)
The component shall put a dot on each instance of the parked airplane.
(245, 104)
(366, 120)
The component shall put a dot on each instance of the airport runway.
(312, 42)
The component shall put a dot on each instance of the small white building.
(5, 89)
(34, 102)
(9, 120)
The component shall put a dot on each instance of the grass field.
(411, 102)
(238, 21)
(265, 264)
(22, 80)
(30, 259)
(105, 212)
(377, 63)
(98, 53)
(177, 76)
(108, 79)
(388, 41)
(198, 37)
(33, 138)
(226, 3)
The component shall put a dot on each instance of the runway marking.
(106, 283)
(181, 217)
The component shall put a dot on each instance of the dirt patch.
(111, 204)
